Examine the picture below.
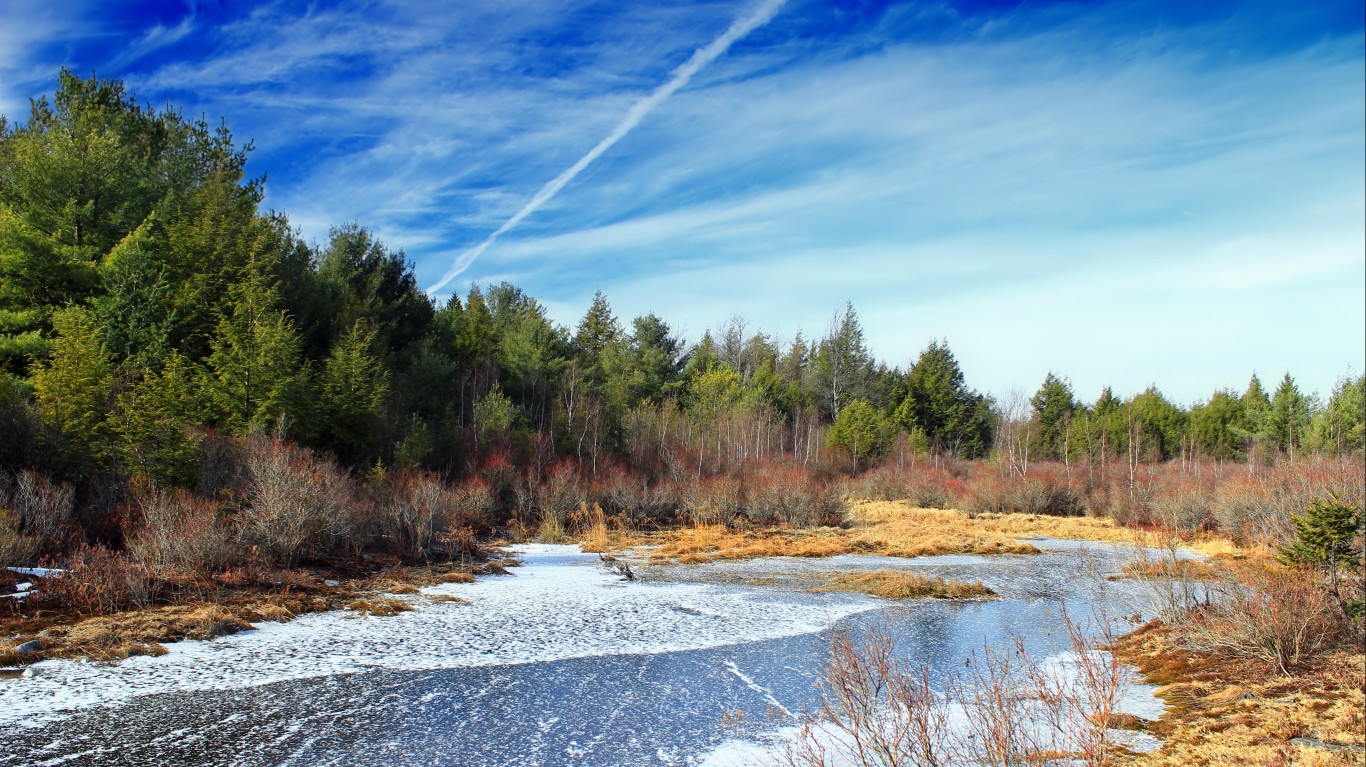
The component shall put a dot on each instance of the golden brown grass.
(380, 607)
(112, 637)
(890, 528)
(1180, 569)
(893, 584)
(1224, 710)
(706, 543)
(456, 577)
(442, 599)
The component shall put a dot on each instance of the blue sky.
(1124, 193)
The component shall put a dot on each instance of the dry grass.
(893, 584)
(443, 599)
(1178, 569)
(113, 637)
(456, 577)
(890, 528)
(380, 607)
(1224, 710)
(706, 543)
(401, 588)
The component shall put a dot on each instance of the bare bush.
(415, 508)
(874, 711)
(560, 492)
(715, 500)
(1080, 700)
(295, 501)
(472, 505)
(43, 508)
(98, 581)
(997, 711)
(785, 495)
(1004, 709)
(15, 549)
(1271, 614)
(180, 535)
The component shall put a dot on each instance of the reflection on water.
(671, 663)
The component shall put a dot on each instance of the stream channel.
(563, 663)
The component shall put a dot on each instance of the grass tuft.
(380, 607)
(893, 584)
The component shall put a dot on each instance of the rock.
(332, 584)
(1316, 743)
(32, 645)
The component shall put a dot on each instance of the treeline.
(152, 313)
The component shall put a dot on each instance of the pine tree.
(1054, 406)
(257, 377)
(156, 422)
(940, 405)
(352, 386)
(842, 364)
(73, 392)
(1287, 422)
(1326, 539)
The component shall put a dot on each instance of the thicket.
(188, 388)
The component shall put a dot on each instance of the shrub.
(415, 507)
(787, 495)
(472, 505)
(43, 510)
(180, 535)
(715, 500)
(294, 501)
(1283, 617)
(560, 492)
(99, 582)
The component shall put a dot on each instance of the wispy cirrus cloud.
(1096, 189)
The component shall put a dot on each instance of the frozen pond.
(562, 663)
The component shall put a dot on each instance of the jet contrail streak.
(700, 58)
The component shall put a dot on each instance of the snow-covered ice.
(561, 663)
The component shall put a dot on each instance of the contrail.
(700, 58)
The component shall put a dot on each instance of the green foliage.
(1054, 407)
(842, 366)
(494, 414)
(863, 431)
(1216, 426)
(1327, 538)
(156, 420)
(1157, 424)
(654, 360)
(940, 405)
(74, 390)
(364, 280)
(257, 377)
(352, 386)
(1343, 422)
(1287, 423)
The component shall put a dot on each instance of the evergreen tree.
(1287, 421)
(863, 431)
(256, 373)
(842, 365)
(352, 386)
(156, 420)
(1215, 426)
(73, 391)
(1054, 406)
(939, 405)
(1326, 538)
(654, 361)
